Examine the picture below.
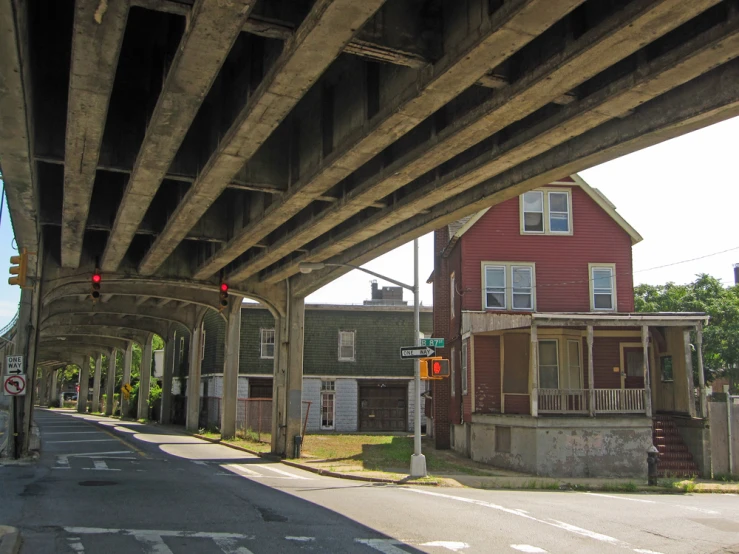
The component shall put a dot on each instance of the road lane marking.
(243, 470)
(300, 539)
(553, 523)
(74, 433)
(283, 472)
(90, 440)
(160, 532)
(386, 546)
(528, 548)
(153, 541)
(76, 545)
(692, 508)
(229, 546)
(454, 546)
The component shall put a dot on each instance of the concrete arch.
(107, 343)
(115, 321)
(102, 331)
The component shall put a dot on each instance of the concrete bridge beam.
(229, 398)
(145, 378)
(96, 383)
(83, 362)
(165, 411)
(126, 380)
(192, 422)
(110, 382)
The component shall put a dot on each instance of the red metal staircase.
(674, 458)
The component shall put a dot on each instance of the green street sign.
(438, 343)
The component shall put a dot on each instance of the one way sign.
(416, 352)
(14, 365)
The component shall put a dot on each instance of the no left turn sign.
(14, 385)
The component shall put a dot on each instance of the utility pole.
(418, 460)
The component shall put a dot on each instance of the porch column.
(534, 372)
(110, 383)
(165, 408)
(96, 383)
(647, 380)
(689, 372)
(142, 411)
(193, 379)
(127, 356)
(230, 396)
(591, 374)
(84, 381)
(701, 376)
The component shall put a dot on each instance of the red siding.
(487, 374)
(517, 404)
(562, 278)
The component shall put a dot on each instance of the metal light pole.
(418, 460)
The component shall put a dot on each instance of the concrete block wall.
(347, 405)
(312, 393)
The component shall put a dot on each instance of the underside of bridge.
(177, 144)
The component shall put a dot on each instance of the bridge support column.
(96, 383)
(229, 401)
(53, 394)
(110, 383)
(287, 396)
(145, 379)
(43, 386)
(127, 355)
(83, 362)
(165, 408)
(192, 421)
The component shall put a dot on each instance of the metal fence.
(253, 416)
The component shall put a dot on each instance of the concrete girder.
(212, 29)
(619, 36)
(99, 343)
(96, 43)
(184, 315)
(706, 100)
(506, 31)
(107, 321)
(104, 331)
(319, 40)
(671, 70)
(68, 352)
(16, 147)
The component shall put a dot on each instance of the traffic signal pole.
(418, 460)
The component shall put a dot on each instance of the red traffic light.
(224, 287)
(436, 368)
(96, 278)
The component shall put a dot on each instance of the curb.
(10, 540)
(315, 470)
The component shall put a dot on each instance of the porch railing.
(560, 401)
(616, 401)
(619, 401)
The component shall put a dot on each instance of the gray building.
(354, 379)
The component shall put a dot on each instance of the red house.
(552, 371)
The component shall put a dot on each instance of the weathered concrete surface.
(674, 69)
(565, 447)
(505, 33)
(96, 44)
(211, 30)
(705, 100)
(619, 36)
(720, 443)
(696, 434)
(320, 39)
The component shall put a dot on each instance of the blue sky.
(681, 196)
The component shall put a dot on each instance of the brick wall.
(487, 374)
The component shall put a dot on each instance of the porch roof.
(635, 319)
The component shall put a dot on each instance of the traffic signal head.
(223, 295)
(19, 268)
(439, 368)
(96, 279)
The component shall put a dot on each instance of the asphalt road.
(103, 486)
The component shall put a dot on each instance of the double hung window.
(509, 286)
(267, 343)
(602, 287)
(346, 346)
(328, 404)
(546, 212)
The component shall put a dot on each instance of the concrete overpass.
(180, 144)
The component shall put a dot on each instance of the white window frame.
(202, 344)
(451, 293)
(508, 268)
(263, 344)
(524, 212)
(452, 377)
(328, 390)
(547, 214)
(559, 366)
(464, 367)
(353, 334)
(593, 291)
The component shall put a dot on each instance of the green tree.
(705, 294)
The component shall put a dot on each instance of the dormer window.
(546, 212)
